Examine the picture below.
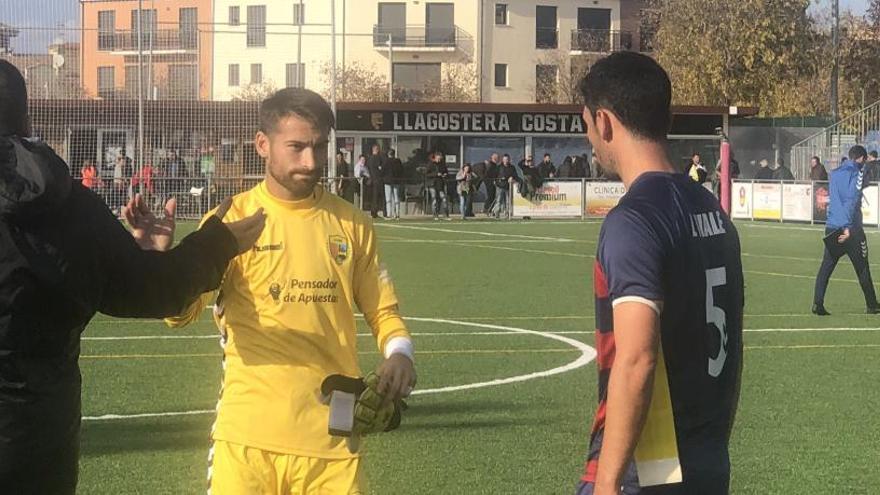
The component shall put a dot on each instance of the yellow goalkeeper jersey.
(286, 313)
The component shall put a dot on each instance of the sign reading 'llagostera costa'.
(462, 122)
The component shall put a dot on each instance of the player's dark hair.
(13, 101)
(299, 102)
(872, 154)
(857, 151)
(635, 88)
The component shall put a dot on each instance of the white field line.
(587, 354)
(474, 232)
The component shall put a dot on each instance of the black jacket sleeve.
(152, 284)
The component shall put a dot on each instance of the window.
(256, 73)
(234, 16)
(148, 23)
(392, 21)
(501, 18)
(189, 28)
(500, 75)
(106, 30)
(440, 24)
(295, 75)
(546, 83)
(106, 81)
(415, 79)
(256, 25)
(299, 14)
(546, 34)
(183, 83)
(233, 75)
(131, 82)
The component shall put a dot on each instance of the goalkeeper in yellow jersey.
(286, 314)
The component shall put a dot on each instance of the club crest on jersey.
(338, 248)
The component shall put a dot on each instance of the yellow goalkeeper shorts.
(239, 470)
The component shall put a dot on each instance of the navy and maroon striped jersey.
(669, 245)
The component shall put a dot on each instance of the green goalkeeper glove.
(357, 408)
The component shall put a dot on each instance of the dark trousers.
(490, 196)
(856, 247)
(377, 202)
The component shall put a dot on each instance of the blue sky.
(52, 13)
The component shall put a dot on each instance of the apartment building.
(174, 42)
(487, 51)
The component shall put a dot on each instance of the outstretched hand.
(247, 230)
(150, 232)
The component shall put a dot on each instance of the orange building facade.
(175, 41)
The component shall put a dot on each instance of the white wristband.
(400, 345)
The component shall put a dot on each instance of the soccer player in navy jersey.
(669, 301)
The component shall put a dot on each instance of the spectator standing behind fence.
(506, 178)
(817, 170)
(546, 168)
(781, 172)
(436, 175)
(579, 167)
(90, 177)
(696, 170)
(531, 180)
(872, 168)
(145, 177)
(393, 178)
(847, 235)
(467, 181)
(376, 166)
(764, 173)
(344, 181)
(492, 169)
(362, 176)
(564, 170)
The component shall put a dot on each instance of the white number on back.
(715, 316)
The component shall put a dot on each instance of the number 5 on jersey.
(715, 316)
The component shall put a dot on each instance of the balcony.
(600, 41)
(161, 41)
(419, 38)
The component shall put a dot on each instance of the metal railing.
(160, 40)
(834, 142)
(601, 40)
(418, 36)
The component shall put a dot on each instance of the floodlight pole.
(331, 172)
(140, 86)
(390, 68)
(835, 68)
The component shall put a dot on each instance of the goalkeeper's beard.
(299, 183)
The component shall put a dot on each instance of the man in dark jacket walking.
(844, 231)
(65, 257)
(376, 163)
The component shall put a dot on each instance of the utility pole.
(835, 69)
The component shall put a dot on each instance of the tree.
(739, 53)
(255, 91)
(356, 82)
(559, 85)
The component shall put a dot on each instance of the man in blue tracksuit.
(845, 216)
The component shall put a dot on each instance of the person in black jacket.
(506, 178)
(436, 175)
(492, 170)
(65, 256)
(546, 168)
(376, 165)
